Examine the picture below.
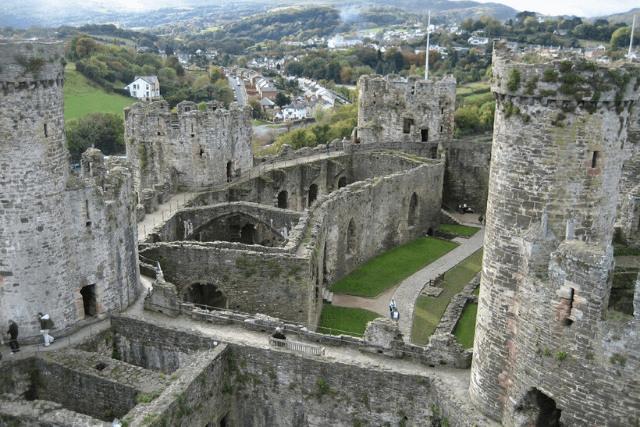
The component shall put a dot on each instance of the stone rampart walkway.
(178, 200)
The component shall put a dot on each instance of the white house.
(292, 111)
(144, 87)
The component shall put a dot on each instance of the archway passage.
(313, 193)
(282, 200)
(538, 410)
(342, 182)
(205, 294)
(238, 228)
(89, 300)
(413, 210)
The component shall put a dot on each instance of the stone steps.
(444, 212)
(327, 296)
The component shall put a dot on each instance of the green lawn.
(259, 122)
(345, 320)
(466, 328)
(428, 310)
(80, 98)
(460, 230)
(385, 271)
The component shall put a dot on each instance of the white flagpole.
(426, 68)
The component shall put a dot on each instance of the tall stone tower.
(543, 355)
(67, 243)
(391, 109)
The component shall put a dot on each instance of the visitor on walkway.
(392, 306)
(46, 324)
(278, 334)
(396, 315)
(13, 333)
(327, 146)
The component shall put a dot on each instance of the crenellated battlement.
(31, 64)
(409, 110)
(566, 78)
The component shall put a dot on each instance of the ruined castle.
(265, 250)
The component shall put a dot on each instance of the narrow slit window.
(594, 159)
(46, 133)
(567, 320)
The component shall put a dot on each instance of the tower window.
(406, 125)
(594, 159)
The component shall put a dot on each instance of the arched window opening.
(205, 294)
(413, 210)
(248, 234)
(430, 231)
(313, 193)
(282, 200)
(351, 237)
(538, 410)
(342, 182)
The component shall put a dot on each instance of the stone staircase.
(327, 296)
(451, 217)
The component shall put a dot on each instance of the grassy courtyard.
(385, 271)
(429, 310)
(465, 331)
(345, 320)
(460, 230)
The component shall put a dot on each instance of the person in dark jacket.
(278, 334)
(13, 333)
(45, 325)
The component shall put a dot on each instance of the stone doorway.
(536, 409)
(89, 300)
(205, 294)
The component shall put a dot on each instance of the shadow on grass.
(345, 320)
(429, 310)
(385, 271)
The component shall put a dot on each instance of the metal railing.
(296, 346)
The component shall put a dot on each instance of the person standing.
(327, 146)
(13, 333)
(396, 315)
(45, 325)
(278, 334)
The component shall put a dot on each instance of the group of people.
(46, 324)
(394, 313)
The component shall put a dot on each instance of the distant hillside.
(455, 10)
(626, 17)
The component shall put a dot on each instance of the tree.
(282, 99)
(257, 111)
(104, 131)
(621, 37)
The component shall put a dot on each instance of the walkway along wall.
(542, 349)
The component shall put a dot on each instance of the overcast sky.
(582, 8)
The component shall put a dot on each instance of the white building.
(144, 87)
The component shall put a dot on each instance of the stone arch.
(430, 231)
(351, 237)
(342, 182)
(536, 409)
(204, 293)
(283, 202)
(237, 227)
(412, 216)
(313, 193)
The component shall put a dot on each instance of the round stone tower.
(559, 135)
(34, 168)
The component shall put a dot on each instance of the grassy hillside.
(81, 98)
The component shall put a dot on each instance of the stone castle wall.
(48, 251)
(343, 230)
(415, 110)
(189, 148)
(555, 166)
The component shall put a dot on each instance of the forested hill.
(456, 10)
(291, 22)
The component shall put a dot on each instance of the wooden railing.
(296, 346)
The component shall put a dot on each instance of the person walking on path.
(13, 333)
(396, 315)
(392, 306)
(328, 148)
(45, 325)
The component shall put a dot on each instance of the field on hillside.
(80, 98)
